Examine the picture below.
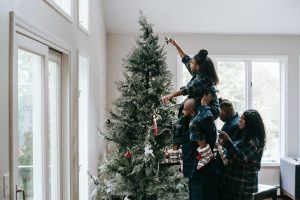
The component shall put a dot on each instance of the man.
(229, 116)
(231, 124)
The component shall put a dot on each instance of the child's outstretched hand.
(166, 99)
(172, 41)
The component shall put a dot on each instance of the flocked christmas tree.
(139, 129)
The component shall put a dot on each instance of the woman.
(244, 153)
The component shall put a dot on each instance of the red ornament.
(167, 156)
(128, 154)
(155, 126)
(199, 157)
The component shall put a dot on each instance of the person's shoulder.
(236, 117)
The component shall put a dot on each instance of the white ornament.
(148, 150)
(126, 198)
(109, 188)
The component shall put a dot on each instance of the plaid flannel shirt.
(197, 84)
(202, 126)
(197, 87)
(186, 131)
(240, 179)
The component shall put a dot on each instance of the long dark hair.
(254, 126)
(207, 67)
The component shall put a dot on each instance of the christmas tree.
(139, 129)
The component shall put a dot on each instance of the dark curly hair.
(207, 67)
(254, 126)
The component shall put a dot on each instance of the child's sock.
(174, 155)
(204, 156)
(221, 152)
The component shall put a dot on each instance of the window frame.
(248, 59)
(85, 55)
(69, 178)
(82, 28)
(61, 11)
(57, 58)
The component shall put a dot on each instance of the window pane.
(83, 128)
(185, 78)
(232, 84)
(30, 124)
(65, 5)
(84, 13)
(54, 133)
(266, 99)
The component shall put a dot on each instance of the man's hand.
(206, 99)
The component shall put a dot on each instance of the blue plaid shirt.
(231, 126)
(198, 86)
(241, 174)
(202, 125)
(190, 128)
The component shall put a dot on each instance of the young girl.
(204, 78)
(244, 154)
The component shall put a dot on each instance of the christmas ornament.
(171, 157)
(167, 156)
(128, 154)
(107, 121)
(126, 198)
(168, 39)
(155, 126)
(148, 150)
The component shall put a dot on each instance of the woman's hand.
(167, 98)
(223, 136)
(206, 99)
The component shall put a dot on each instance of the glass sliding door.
(37, 144)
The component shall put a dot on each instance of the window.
(253, 83)
(54, 114)
(83, 14)
(30, 123)
(83, 84)
(38, 116)
(64, 7)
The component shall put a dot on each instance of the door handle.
(20, 190)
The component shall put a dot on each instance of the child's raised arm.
(178, 48)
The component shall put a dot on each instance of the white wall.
(118, 46)
(41, 15)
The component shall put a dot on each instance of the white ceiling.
(205, 16)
